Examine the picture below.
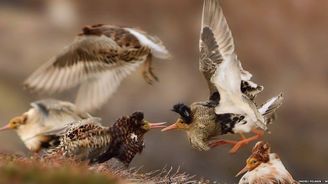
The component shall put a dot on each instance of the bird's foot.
(149, 77)
(220, 142)
(237, 144)
(245, 141)
(147, 72)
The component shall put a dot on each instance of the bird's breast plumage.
(204, 126)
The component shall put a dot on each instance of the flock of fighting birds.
(101, 56)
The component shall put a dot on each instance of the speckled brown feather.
(261, 152)
(210, 57)
(204, 125)
(91, 141)
(126, 148)
(84, 140)
(131, 49)
(99, 58)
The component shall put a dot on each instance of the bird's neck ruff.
(184, 111)
(261, 152)
(127, 140)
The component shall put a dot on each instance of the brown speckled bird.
(99, 58)
(230, 108)
(265, 167)
(43, 116)
(89, 140)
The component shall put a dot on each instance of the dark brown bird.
(44, 116)
(265, 167)
(89, 140)
(99, 58)
(230, 108)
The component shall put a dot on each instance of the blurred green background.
(283, 43)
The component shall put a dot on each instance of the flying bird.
(43, 116)
(99, 58)
(89, 140)
(231, 107)
(265, 167)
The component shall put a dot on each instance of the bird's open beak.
(157, 125)
(171, 127)
(245, 169)
(6, 127)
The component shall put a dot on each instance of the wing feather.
(210, 56)
(96, 91)
(213, 17)
(54, 114)
(85, 57)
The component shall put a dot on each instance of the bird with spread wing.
(43, 116)
(99, 58)
(231, 107)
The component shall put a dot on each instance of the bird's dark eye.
(254, 161)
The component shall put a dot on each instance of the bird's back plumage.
(83, 140)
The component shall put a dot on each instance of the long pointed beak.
(171, 127)
(245, 169)
(6, 127)
(157, 125)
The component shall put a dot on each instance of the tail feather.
(155, 44)
(269, 108)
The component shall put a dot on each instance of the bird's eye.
(254, 162)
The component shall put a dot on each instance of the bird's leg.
(220, 142)
(147, 71)
(237, 144)
(150, 68)
(245, 140)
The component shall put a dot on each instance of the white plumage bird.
(44, 116)
(264, 167)
(235, 107)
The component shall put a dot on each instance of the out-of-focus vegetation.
(16, 169)
(19, 170)
(282, 43)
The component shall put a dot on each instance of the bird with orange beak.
(231, 107)
(43, 116)
(89, 140)
(264, 167)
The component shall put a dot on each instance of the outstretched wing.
(87, 56)
(94, 92)
(210, 57)
(99, 59)
(217, 45)
(213, 17)
(219, 62)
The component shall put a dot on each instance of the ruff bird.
(265, 167)
(230, 108)
(43, 116)
(89, 140)
(99, 58)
